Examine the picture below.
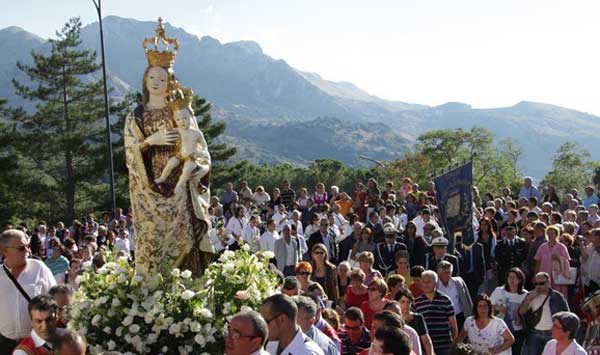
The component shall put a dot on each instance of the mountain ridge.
(248, 87)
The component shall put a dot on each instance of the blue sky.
(487, 53)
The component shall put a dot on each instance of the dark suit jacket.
(384, 259)
(431, 263)
(316, 238)
(418, 250)
(346, 246)
(508, 256)
(475, 256)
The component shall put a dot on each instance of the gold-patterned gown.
(168, 228)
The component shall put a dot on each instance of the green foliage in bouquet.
(169, 313)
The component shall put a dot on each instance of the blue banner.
(455, 201)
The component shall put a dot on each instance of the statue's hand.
(162, 137)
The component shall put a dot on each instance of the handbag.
(16, 283)
(531, 318)
(561, 279)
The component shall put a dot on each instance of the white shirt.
(300, 345)
(419, 223)
(260, 352)
(277, 217)
(452, 292)
(37, 341)
(267, 240)
(250, 235)
(215, 241)
(546, 320)
(290, 252)
(591, 268)
(501, 297)
(414, 339)
(338, 219)
(572, 349)
(123, 244)
(298, 224)
(235, 226)
(303, 246)
(36, 279)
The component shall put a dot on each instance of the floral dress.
(490, 336)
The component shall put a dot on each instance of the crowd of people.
(371, 271)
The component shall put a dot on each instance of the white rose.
(122, 279)
(98, 349)
(134, 328)
(107, 330)
(164, 349)
(186, 274)
(112, 286)
(175, 272)
(199, 339)
(187, 294)
(246, 247)
(205, 313)
(111, 345)
(83, 331)
(96, 320)
(152, 338)
(136, 341)
(174, 329)
(116, 302)
(246, 309)
(101, 300)
(148, 318)
(138, 278)
(127, 321)
(119, 331)
(228, 267)
(79, 279)
(268, 254)
(102, 271)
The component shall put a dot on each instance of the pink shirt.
(544, 257)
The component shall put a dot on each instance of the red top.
(368, 313)
(353, 300)
(415, 289)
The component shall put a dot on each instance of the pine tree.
(64, 139)
(219, 152)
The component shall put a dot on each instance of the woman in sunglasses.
(303, 271)
(324, 272)
(376, 301)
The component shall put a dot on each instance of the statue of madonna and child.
(169, 167)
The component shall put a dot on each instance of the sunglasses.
(540, 283)
(318, 252)
(304, 273)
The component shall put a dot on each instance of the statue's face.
(157, 81)
(182, 118)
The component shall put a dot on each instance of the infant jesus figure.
(193, 150)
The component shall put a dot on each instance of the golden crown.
(181, 98)
(161, 58)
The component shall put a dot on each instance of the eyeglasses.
(23, 247)
(272, 318)
(540, 283)
(351, 328)
(235, 335)
(304, 273)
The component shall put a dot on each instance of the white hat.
(441, 241)
(389, 228)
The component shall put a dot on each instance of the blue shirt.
(590, 200)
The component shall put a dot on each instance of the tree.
(440, 150)
(571, 168)
(219, 152)
(64, 139)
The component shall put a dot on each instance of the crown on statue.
(161, 58)
(181, 98)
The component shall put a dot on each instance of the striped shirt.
(58, 266)
(436, 313)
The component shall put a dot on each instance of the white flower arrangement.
(172, 312)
